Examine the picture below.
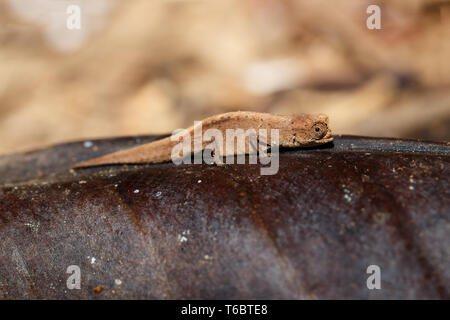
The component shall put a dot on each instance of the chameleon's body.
(294, 131)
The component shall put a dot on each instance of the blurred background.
(149, 67)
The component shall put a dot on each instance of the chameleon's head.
(306, 130)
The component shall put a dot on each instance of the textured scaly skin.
(299, 130)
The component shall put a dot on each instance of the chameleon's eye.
(319, 130)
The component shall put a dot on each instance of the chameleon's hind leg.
(214, 152)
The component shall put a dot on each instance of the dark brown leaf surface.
(198, 231)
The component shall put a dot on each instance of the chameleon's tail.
(154, 152)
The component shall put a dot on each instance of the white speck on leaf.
(347, 195)
(88, 144)
(33, 226)
(118, 282)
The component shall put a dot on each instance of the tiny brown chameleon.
(299, 130)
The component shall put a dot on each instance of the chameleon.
(298, 130)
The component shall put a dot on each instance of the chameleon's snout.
(328, 137)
